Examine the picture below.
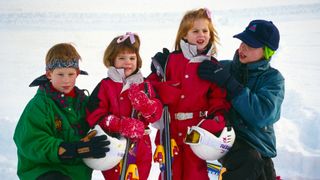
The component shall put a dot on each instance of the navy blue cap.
(260, 33)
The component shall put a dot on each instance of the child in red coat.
(114, 98)
(189, 98)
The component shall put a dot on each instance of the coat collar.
(257, 66)
(60, 98)
(117, 75)
(190, 52)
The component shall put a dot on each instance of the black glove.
(161, 58)
(215, 73)
(96, 147)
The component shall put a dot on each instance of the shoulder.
(273, 74)
(175, 54)
(103, 82)
(225, 62)
(39, 104)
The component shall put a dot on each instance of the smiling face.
(63, 79)
(127, 61)
(199, 34)
(249, 54)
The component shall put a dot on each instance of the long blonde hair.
(187, 23)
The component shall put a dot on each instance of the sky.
(29, 28)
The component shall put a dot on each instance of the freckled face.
(199, 34)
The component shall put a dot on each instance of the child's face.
(127, 61)
(249, 54)
(63, 79)
(199, 34)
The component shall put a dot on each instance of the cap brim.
(248, 39)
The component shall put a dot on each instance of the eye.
(132, 58)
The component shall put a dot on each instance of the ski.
(167, 143)
(214, 168)
(165, 138)
(125, 160)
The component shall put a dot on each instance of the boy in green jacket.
(50, 133)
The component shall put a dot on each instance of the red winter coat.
(185, 92)
(111, 97)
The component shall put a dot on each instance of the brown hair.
(62, 51)
(187, 23)
(114, 48)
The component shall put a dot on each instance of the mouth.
(242, 56)
(127, 69)
(65, 87)
(200, 41)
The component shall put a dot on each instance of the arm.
(143, 100)
(40, 136)
(258, 108)
(89, 146)
(261, 107)
(98, 105)
(216, 73)
(128, 127)
(218, 105)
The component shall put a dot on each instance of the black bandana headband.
(60, 63)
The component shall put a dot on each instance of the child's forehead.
(64, 69)
(126, 51)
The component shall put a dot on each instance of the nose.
(127, 63)
(201, 33)
(243, 47)
(65, 79)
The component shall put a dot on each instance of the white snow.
(29, 29)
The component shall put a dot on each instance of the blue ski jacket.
(257, 107)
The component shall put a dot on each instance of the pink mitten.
(214, 125)
(141, 102)
(127, 127)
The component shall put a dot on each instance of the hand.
(127, 127)
(161, 58)
(214, 125)
(95, 147)
(142, 103)
(215, 73)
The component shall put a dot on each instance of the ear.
(49, 74)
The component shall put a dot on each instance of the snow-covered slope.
(27, 31)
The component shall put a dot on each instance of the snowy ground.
(28, 30)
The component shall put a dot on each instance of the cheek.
(117, 64)
(257, 55)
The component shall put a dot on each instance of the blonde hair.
(62, 51)
(187, 23)
(114, 48)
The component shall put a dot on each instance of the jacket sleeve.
(261, 107)
(218, 103)
(35, 136)
(98, 105)
(168, 91)
(158, 105)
